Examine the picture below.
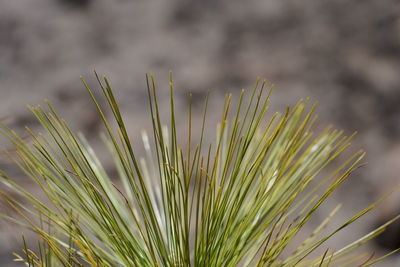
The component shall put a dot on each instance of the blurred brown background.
(343, 53)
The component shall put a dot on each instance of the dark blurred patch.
(11, 43)
(76, 3)
(186, 12)
(390, 239)
(78, 100)
(66, 95)
(387, 42)
(198, 98)
(24, 119)
(384, 105)
(91, 122)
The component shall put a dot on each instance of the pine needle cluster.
(239, 201)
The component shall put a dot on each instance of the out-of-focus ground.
(345, 54)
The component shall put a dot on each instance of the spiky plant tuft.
(240, 201)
